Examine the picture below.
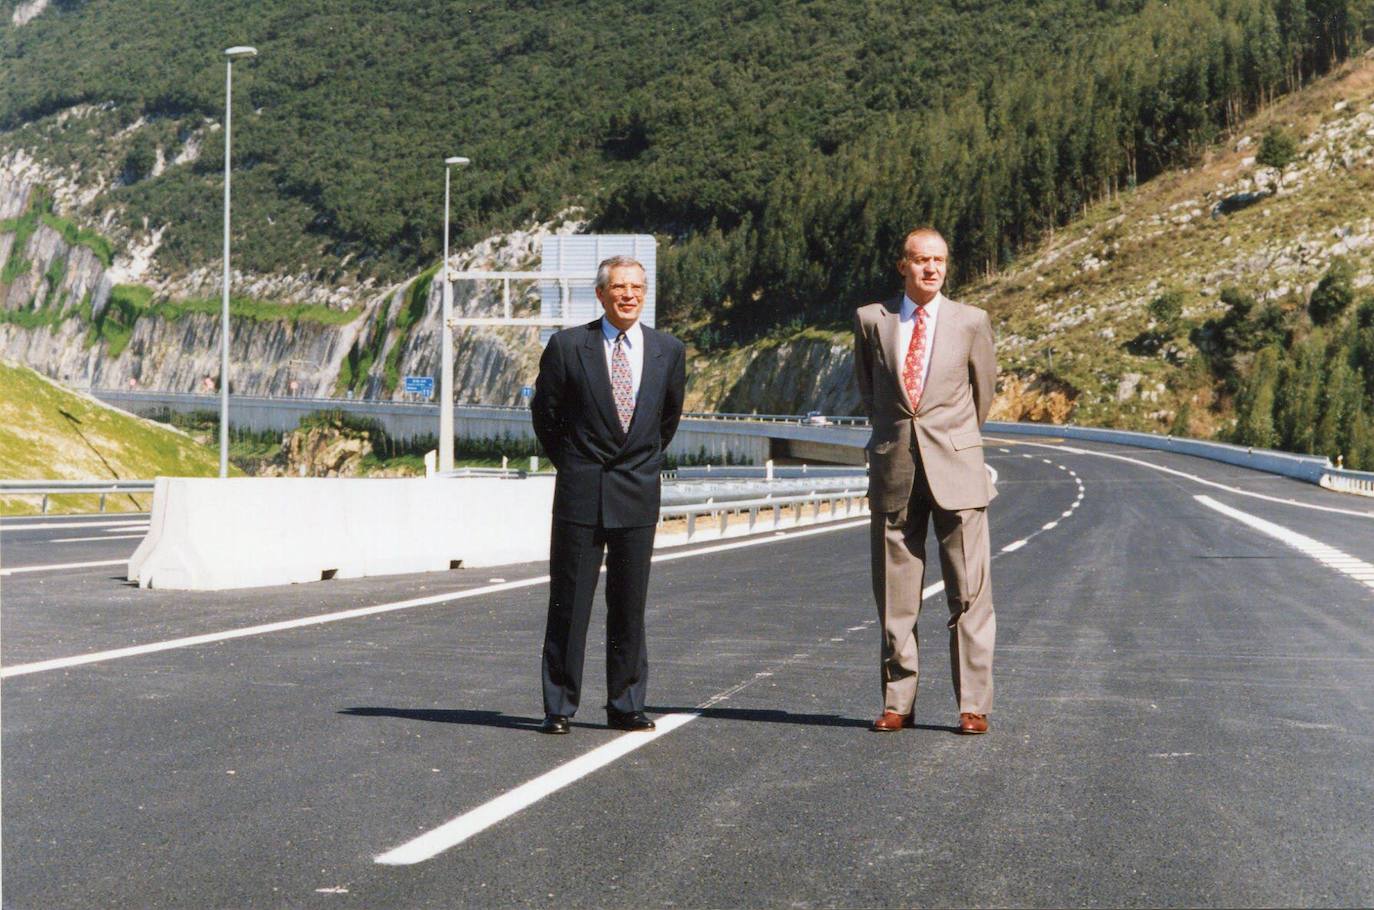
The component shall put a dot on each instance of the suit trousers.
(575, 557)
(898, 545)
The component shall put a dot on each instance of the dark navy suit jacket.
(606, 477)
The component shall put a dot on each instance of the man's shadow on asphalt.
(515, 722)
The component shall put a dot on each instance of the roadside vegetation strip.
(1328, 556)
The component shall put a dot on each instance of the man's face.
(923, 266)
(623, 296)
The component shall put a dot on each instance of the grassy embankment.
(48, 432)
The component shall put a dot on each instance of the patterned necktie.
(622, 383)
(915, 357)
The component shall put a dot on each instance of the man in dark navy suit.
(606, 404)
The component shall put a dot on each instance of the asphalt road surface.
(1185, 688)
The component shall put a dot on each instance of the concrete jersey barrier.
(211, 533)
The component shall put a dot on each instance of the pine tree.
(1255, 404)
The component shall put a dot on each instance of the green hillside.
(1228, 300)
(50, 433)
(778, 147)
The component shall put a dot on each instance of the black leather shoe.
(632, 720)
(555, 723)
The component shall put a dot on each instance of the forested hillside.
(779, 147)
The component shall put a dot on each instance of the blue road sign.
(527, 391)
(420, 385)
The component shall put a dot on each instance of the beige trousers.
(898, 543)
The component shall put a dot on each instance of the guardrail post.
(102, 502)
(45, 503)
(691, 526)
(724, 520)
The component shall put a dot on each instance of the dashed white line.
(1073, 450)
(1014, 546)
(1329, 556)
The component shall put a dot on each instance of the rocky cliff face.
(55, 288)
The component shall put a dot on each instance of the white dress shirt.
(907, 325)
(634, 349)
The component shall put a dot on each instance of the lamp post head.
(238, 51)
(457, 162)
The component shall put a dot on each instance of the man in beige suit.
(926, 373)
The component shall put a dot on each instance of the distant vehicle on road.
(815, 419)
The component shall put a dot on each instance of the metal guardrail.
(693, 492)
(748, 511)
(1361, 483)
(48, 488)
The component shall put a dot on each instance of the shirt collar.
(909, 307)
(634, 335)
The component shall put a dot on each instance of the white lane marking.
(1066, 513)
(1013, 546)
(68, 525)
(1195, 479)
(454, 832)
(1327, 555)
(189, 641)
(992, 473)
(88, 539)
(1050, 526)
(65, 565)
(457, 830)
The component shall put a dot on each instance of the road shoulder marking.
(1328, 556)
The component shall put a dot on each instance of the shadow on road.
(514, 722)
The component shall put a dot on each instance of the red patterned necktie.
(915, 357)
(622, 383)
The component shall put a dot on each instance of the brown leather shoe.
(891, 722)
(973, 723)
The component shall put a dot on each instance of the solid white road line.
(88, 539)
(65, 565)
(1329, 556)
(453, 833)
(6, 526)
(475, 821)
(322, 618)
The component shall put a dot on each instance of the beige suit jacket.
(946, 428)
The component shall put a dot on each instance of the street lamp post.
(230, 55)
(446, 339)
